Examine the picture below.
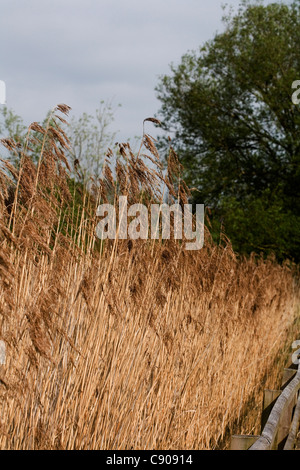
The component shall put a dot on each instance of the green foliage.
(229, 109)
(75, 215)
(262, 224)
(12, 126)
(90, 138)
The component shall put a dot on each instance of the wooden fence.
(280, 418)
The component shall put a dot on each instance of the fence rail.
(280, 419)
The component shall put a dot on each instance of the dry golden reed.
(134, 344)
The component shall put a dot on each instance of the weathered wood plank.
(283, 404)
(242, 442)
(269, 399)
(288, 375)
(291, 440)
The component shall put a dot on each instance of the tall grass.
(126, 344)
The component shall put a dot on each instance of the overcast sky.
(81, 52)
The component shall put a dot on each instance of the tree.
(12, 126)
(90, 139)
(229, 109)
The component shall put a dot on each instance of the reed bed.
(127, 344)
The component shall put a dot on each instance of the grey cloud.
(81, 52)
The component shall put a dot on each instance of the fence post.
(269, 399)
(242, 442)
(287, 376)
